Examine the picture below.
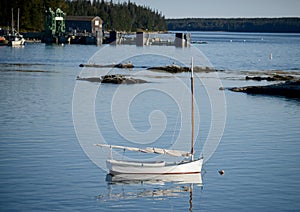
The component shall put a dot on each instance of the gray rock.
(289, 89)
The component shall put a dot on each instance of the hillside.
(236, 24)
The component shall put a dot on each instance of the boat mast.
(18, 20)
(192, 114)
(12, 21)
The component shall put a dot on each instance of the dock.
(63, 29)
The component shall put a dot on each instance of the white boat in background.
(187, 166)
(15, 39)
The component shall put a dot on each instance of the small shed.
(90, 24)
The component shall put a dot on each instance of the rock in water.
(114, 79)
(120, 79)
(90, 79)
(288, 89)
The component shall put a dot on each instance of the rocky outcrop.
(171, 69)
(179, 69)
(124, 65)
(120, 79)
(119, 65)
(288, 89)
(114, 79)
(90, 79)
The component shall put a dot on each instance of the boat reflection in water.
(159, 187)
(154, 179)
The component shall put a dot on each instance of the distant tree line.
(119, 16)
(236, 24)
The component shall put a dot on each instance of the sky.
(223, 8)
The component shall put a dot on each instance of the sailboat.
(15, 38)
(190, 165)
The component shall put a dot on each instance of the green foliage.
(125, 16)
(236, 24)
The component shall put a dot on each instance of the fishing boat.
(189, 165)
(15, 38)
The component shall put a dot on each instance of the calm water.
(45, 165)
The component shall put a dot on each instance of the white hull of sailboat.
(15, 43)
(161, 168)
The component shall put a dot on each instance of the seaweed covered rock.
(171, 69)
(114, 79)
(288, 89)
(124, 65)
(120, 79)
(119, 65)
(90, 79)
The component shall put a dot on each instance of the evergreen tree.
(121, 16)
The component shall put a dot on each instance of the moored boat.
(15, 38)
(186, 166)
